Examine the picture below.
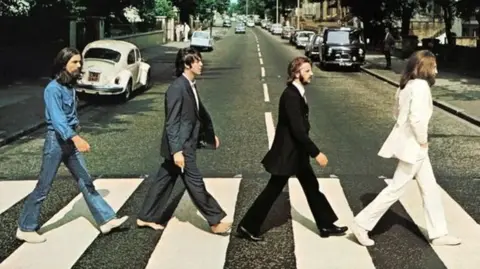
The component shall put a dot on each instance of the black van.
(343, 46)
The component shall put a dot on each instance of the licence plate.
(93, 76)
(345, 64)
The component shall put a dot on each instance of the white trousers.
(429, 190)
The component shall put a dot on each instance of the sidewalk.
(21, 103)
(455, 93)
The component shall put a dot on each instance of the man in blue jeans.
(63, 144)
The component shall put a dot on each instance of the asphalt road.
(350, 115)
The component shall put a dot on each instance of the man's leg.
(28, 220)
(203, 200)
(157, 196)
(258, 211)
(101, 211)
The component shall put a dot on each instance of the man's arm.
(53, 103)
(416, 117)
(297, 126)
(174, 103)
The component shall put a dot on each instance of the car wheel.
(128, 92)
(148, 83)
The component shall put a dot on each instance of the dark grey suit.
(186, 128)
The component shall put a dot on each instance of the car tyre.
(128, 92)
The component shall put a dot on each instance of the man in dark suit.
(289, 155)
(188, 126)
(388, 46)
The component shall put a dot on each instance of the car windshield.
(344, 37)
(200, 35)
(304, 35)
(102, 53)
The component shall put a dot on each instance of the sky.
(233, 1)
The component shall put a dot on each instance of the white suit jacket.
(413, 110)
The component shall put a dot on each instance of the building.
(322, 14)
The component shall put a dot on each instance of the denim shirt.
(60, 109)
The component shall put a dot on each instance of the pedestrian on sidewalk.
(289, 155)
(408, 142)
(188, 126)
(63, 144)
(388, 46)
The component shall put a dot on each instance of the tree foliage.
(467, 9)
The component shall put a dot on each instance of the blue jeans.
(56, 151)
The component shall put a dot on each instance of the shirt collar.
(192, 83)
(300, 88)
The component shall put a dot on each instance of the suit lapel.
(192, 95)
(293, 88)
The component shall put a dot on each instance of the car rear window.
(102, 53)
(200, 35)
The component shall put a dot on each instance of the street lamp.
(276, 17)
(211, 11)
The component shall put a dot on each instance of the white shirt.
(192, 84)
(300, 89)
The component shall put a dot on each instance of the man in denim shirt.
(63, 144)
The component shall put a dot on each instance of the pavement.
(243, 78)
(456, 93)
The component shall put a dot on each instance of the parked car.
(302, 38)
(240, 28)
(312, 48)
(201, 40)
(250, 23)
(113, 67)
(227, 23)
(343, 46)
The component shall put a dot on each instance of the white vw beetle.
(113, 67)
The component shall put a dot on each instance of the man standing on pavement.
(388, 45)
(188, 126)
(63, 144)
(289, 156)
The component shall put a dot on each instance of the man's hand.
(321, 159)
(179, 159)
(424, 145)
(217, 142)
(80, 144)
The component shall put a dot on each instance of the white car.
(113, 67)
(201, 40)
(250, 23)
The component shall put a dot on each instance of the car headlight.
(360, 51)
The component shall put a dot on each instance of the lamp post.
(298, 15)
(276, 9)
(210, 11)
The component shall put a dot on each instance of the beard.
(303, 80)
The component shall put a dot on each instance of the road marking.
(70, 231)
(263, 71)
(258, 49)
(261, 61)
(459, 224)
(265, 93)
(305, 232)
(12, 191)
(189, 232)
(258, 45)
(260, 54)
(270, 128)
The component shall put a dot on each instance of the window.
(344, 37)
(131, 57)
(102, 53)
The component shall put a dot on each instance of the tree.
(467, 9)
(448, 8)
(14, 7)
(164, 8)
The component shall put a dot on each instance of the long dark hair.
(186, 56)
(294, 67)
(59, 71)
(420, 65)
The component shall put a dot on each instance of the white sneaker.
(361, 235)
(112, 224)
(446, 240)
(30, 237)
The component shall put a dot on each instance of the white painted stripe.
(270, 128)
(70, 231)
(305, 232)
(12, 191)
(459, 223)
(265, 92)
(260, 54)
(188, 232)
(263, 71)
(261, 61)
(258, 49)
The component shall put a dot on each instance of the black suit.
(186, 129)
(289, 156)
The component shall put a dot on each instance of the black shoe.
(243, 233)
(333, 231)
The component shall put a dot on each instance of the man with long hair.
(408, 142)
(289, 155)
(63, 144)
(188, 126)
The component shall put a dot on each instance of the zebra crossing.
(73, 241)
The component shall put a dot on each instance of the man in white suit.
(408, 142)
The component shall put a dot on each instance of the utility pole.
(246, 8)
(276, 17)
(298, 15)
